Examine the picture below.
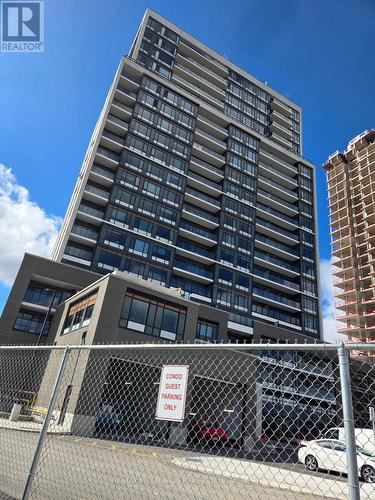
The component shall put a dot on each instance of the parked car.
(330, 454)
(363, 437)
(109, 419)
(209, 431)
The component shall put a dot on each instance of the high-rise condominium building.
(351, 194)
(194, 179)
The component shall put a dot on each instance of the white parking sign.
(172, 393)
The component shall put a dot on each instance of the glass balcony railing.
(277, 186)
(191, 247)
(202, 196)
(275, 278)
(124, 107)
(276, 244)
(277, 229)
(277, 199)
(204, 180)
(206, 165)
(108, 154)
(114, 137)
(273, 260)
(117, 120)
(97, 191)
(200, 213)
(267, 294)
(193, 268)
(198, 231)
(87, 209)
(97, 169)
(276, 213)
(277, 173)
(84, 231)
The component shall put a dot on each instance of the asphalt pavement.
(85, 468)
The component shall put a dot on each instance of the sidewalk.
(320, 484)
(21, 425)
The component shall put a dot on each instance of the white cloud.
(24, 226)
(328, 303)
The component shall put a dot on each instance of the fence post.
(347, 408)
(43, 433)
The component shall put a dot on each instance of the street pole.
(347, 408)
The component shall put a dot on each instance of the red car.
(209, 431)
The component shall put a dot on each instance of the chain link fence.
(202, 421)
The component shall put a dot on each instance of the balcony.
(121, 110)
(84, 235)
(202, 69)
(275, 264)
(202, 200)
(277, 162)
(195, 252)
(203, 58)
(276, 232)
(281, 108)
(192, 271)
(112, 141)
(267, 277)
(96, 194)
(274, 298)
(209, 140)
(198, 216)
(207, 170)
(281, 130)
(282, 179)
(90, 214)
(101, 175)
(205, 185)
(278, 189)
(197, 234)
(276, 216)
(283, 119)
(125, 96)
(116, 125)
(208, 154)
(192, 89)
(107, 158)
(211, 127)
(284, 142)
(130, 81)
(273, 246)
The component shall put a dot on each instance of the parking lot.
(84, 468)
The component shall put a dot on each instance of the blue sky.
(319, 53)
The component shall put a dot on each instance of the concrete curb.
(272, 476)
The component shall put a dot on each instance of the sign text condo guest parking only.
(172, 393)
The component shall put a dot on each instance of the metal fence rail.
(200, 421)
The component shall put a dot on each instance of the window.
(139, 247)
(161, 254)
(143, 226)
(310, 324)
(163, 234)
(157, 275)
(225, 276)
(226, 257)
(134, 267)
(207, 331)
(118, 217)
(31, 322)
(151, 189)
(229, 240)
(224, 297)
(79, 313)
(310, 305)
(308, 287)
(114, 238)
(153, 316)
(242, 282)
(108, 260)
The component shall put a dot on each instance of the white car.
(330, 454)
